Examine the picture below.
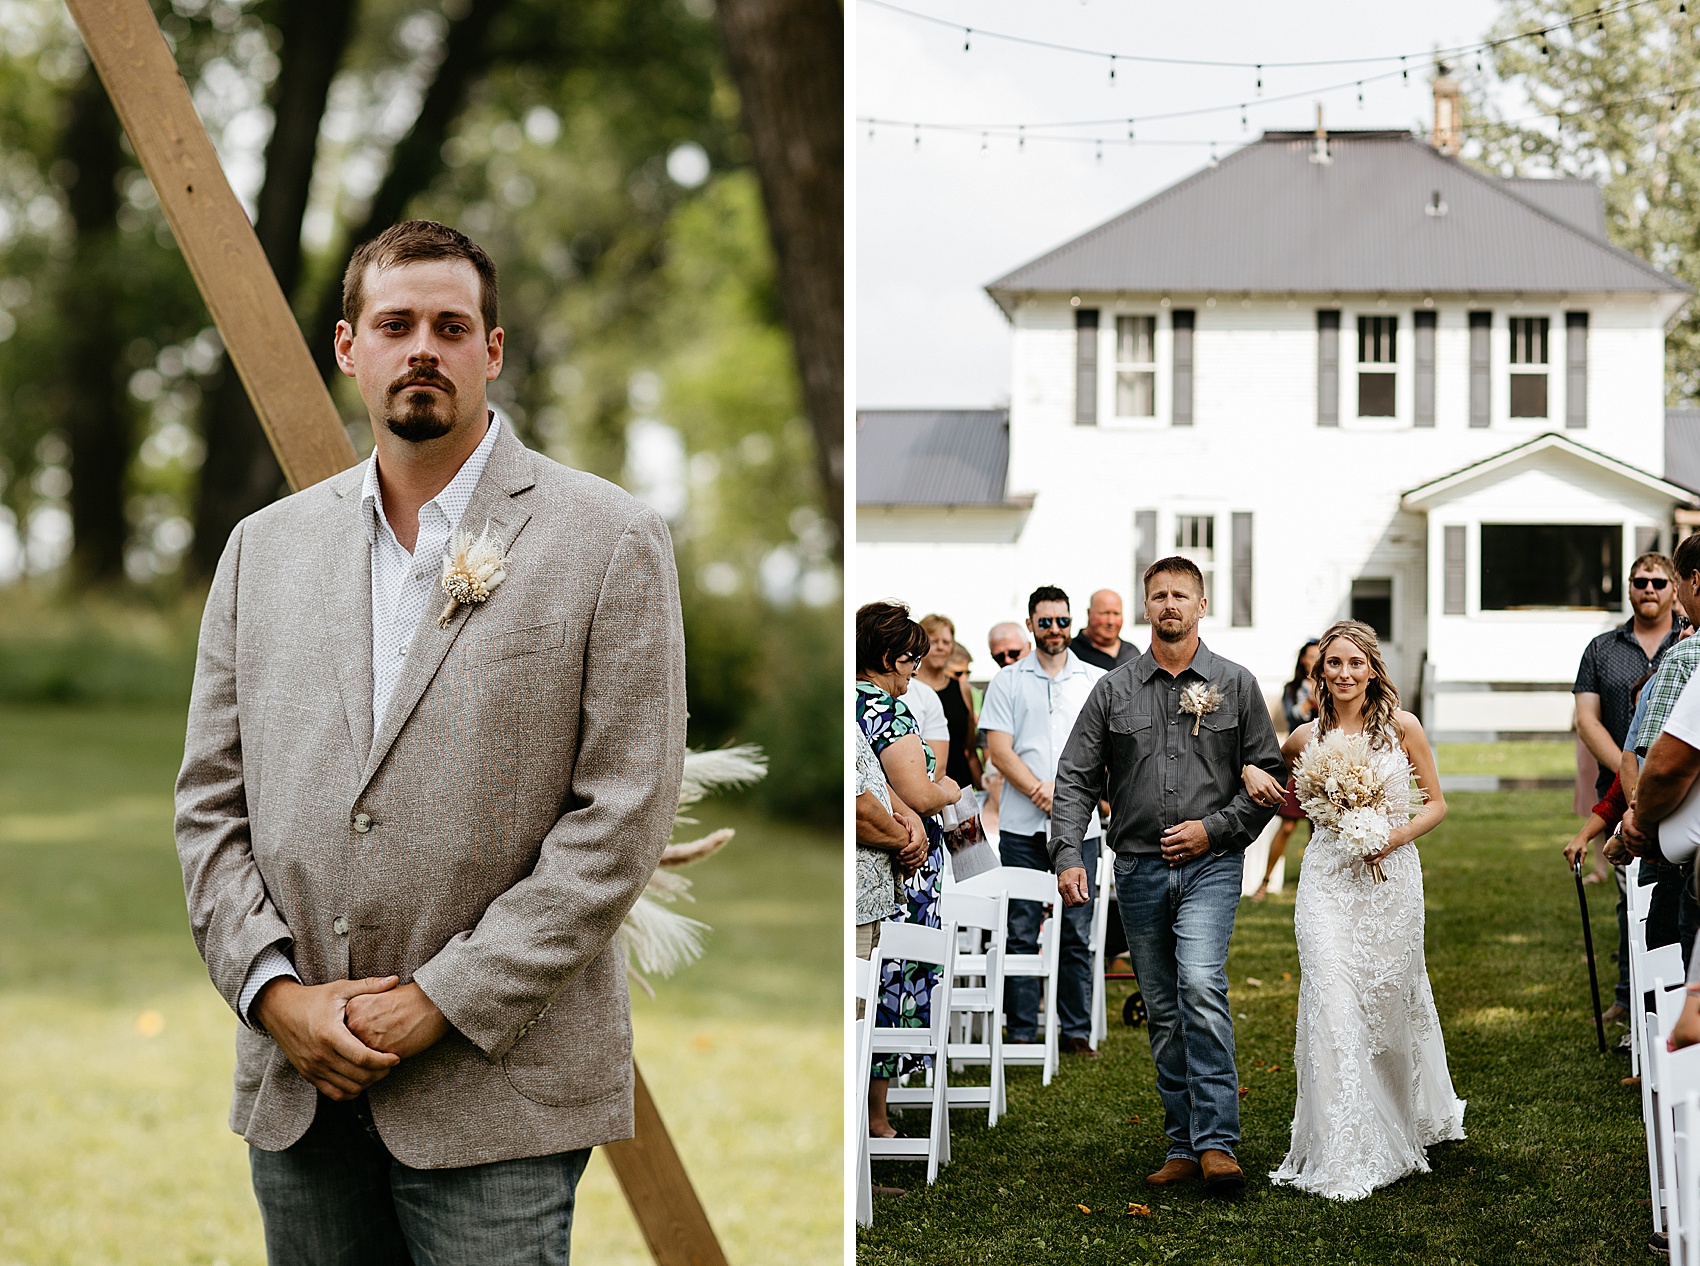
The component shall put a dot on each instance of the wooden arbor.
(301, 422)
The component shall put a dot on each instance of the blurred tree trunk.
(416, 161)
(92, 400)
(240, 473)
(787, 59)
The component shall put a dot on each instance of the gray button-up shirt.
(1160, 774)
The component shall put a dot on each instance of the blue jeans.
(338, 1197)
(1021, 994)
(1178, 921)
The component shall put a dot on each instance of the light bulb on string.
(1242, 117)
(1112, 70)
(967, 34)
(917, 136)
(1130, 131)
(1360, 94)
(1260, 79)
(1099, 156)
(1021, 138)
(982, 145)
(1404, 74)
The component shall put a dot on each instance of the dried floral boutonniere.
(1198, 699)
(472, 568)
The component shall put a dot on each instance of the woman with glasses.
(889, 650)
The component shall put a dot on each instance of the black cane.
(1588, 940)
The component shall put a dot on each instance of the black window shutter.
(1180, 412)
(1454, 597)
(1575, 371)
(1481, 380)
(1423, 385)
(1328, 367)
(1144, 554)
(1242, 569)
(1086, 367)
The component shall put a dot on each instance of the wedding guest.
(1611, 664)
(1297, 706)
(889, 839)
(1031, 707)
(889, 648)
(1100, 643)
(962, 762)
(930, 716)
(1007, 643)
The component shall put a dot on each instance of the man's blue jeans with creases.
(1178, 921)
(338, 1196)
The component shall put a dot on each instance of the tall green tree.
(1616, 98)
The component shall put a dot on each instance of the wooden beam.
(301, 421)
(654, 1180)
(229, 267)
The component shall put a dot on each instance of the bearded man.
(433, 755)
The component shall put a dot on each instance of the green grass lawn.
(116, 1053)
(1553, 1170)
(1509, 759)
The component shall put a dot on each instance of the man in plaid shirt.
(1658, 698)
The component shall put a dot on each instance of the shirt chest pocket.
(1133, 738)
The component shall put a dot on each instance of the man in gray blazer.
(410, 827)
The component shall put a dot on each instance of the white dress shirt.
(1038, 713)
(404, 586)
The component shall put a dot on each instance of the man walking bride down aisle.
(1175, 729)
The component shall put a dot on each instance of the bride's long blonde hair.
(1381, 697)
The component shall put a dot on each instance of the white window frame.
(1118, 366)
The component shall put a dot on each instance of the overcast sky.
(935, 222)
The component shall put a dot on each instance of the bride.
(1373, 1089)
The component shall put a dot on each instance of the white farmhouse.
(1347, 374)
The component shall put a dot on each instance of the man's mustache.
(420, 377)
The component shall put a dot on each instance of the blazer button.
(339, 925)
(362, 823)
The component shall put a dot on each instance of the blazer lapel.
(345, 610)
(507, 475)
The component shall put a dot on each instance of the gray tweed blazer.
(517, 797)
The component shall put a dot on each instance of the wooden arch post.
(300, 420)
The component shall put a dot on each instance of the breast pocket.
(1131, 736)
(1219, 735)
(526, 641)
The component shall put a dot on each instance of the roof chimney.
(1319, 154)
(1448, 116)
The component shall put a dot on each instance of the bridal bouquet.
(1339, 787)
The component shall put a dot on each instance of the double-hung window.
(1136, 366)
(1529, 366)
(1195, 538)
(1378, 353)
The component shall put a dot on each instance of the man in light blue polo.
(1029, 711)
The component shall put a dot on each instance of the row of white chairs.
(971, 957)
(1670, 1080)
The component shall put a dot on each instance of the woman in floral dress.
(889, 648)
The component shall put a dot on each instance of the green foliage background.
(633, 301)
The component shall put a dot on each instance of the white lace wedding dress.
(1373, 1089)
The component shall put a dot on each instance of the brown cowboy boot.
(1222, 1174)
(1174, 1172)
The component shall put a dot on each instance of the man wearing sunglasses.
(1007, 643)
(1613, 664)
(1030, 710)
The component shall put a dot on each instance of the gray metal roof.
(1682, 447)
(1574, 199)
(931, 457)
(1267, 218)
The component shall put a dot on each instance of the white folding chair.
(1685, 1152)
(933, 947)
(982, 929)
(1100, 932)
(1658, 966)
(1022, 884)
(1676, 1080)
(866, 993)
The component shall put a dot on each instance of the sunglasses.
(1005, 657)
(1061, 621)
(1641, 582)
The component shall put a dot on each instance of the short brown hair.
(1687, 555)
(933, 623)
(883, 632)
(413, 242)
(1652, 558)
(1176, 565)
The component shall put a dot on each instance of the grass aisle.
(1553, 1169)
(116, 1053)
